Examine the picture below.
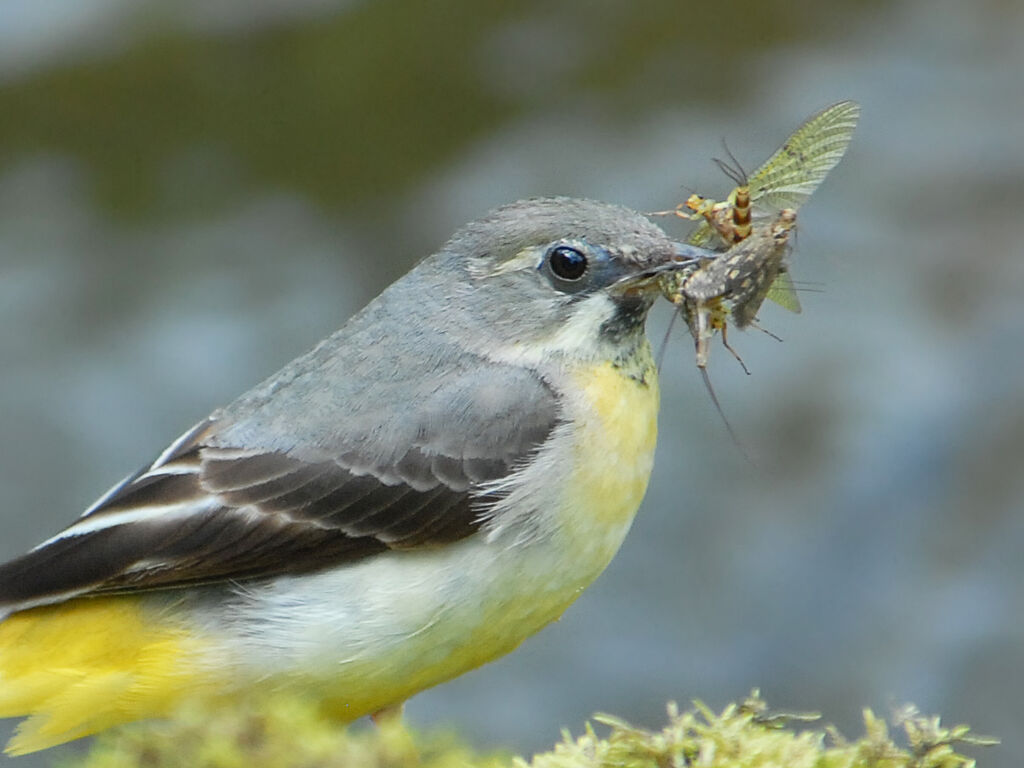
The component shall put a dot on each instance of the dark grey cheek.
(628, 319)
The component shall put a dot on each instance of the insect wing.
(783, 293)
(799, 166)
(704, 235)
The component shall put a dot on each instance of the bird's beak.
(682, 256)
(691, 254)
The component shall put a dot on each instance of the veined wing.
(791, 175)
(783, 293)
(797, 168)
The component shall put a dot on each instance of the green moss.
(290, 732)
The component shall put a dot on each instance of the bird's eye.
(567, 263)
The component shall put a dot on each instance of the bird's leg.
(388, 715)
(397, 741)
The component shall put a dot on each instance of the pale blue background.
(191, 194)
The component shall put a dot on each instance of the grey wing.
(240, 497)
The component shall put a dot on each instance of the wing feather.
(209, 510)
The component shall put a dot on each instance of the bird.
(410, 499)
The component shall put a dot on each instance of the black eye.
(567, 263)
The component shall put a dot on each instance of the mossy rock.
(291, 732)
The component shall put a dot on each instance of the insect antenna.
(728, 427)
(810, 286)
(660, 359)
(733, 169)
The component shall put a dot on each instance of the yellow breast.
(617, 428)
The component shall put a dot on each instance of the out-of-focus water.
(191, 197)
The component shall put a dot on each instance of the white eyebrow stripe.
(146, 514)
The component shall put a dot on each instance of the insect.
(760, 209)
(742, 276)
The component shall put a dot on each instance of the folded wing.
(220, 503)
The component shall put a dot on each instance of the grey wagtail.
(412, 498)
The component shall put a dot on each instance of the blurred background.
(191, 194)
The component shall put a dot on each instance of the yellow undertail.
(76, 668)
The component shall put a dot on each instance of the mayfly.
(743, 276)
(757, 269)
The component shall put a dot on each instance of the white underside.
(395, 615)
